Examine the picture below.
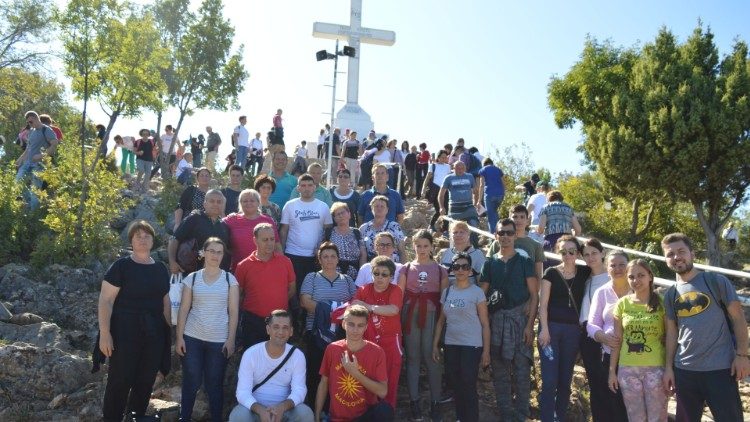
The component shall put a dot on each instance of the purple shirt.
(600, 313)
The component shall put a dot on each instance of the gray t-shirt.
(460, 188)
(38, 139)
(704, 342)
(461, 317)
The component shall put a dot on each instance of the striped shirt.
(340, 290)
(208, 319)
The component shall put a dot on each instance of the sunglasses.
(564, 252)
(459, 267)
(502, 233)
(379, 274)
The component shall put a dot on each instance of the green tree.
(25, 29)
(207, 75)
(667, 119)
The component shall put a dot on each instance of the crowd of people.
(316, 287)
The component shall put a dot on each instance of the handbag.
(187, 255)
(175, 295)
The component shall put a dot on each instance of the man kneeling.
(271, 378)
(357, 372)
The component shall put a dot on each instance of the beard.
(688, 266)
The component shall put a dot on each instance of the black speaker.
(349, 51)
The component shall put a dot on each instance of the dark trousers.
(716, 388)
(203, 363)
(606, 406)
(377, 413)
(253, 329)
(462, 363)
(138, 345)
(313, 358)
(302, 265)
(420, 176)
(557, 374)
(443, 227)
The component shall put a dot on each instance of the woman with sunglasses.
(206, 328)
(467, 337)
(601, 325)
(384, 300)
(559, 332)
(422, 280)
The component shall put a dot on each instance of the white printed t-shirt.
(306, 221)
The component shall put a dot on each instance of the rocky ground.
(48, 332)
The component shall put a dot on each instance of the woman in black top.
(134, 331)
(559, 333)
(192, 197)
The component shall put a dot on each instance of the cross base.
(353, 117)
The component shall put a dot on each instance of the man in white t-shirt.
(241, 141)
(537, 201)
(282, 396)
(303, 220)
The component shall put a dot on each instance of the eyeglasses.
(379, 274)
(459, 267)
(384, 245)
(340, 213)
(214, 252)
(564, 252)
(502, 233)
(344, 176)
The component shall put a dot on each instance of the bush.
(12, 218)
(102, 201)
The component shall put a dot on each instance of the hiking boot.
(416, 410)
(435, 415)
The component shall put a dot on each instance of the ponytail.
(654, 302)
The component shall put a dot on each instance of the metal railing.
(663, 282)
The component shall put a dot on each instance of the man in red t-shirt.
(384, 301)
(356, 369)
(267, 281)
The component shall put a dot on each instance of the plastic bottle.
(549, 353)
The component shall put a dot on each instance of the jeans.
(591, 354)
(420, 176)
(203, 363)
(557, 374)
(492, 203)
(197, 158)
(256, 164)
(716, 388)
(299, 413)
(241, 156)
(462, 365)
(29, 169)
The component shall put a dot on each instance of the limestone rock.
(42, 334)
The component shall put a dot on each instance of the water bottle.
(548, 352)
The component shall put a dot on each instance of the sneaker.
(416, 410)
(435, 415)
(447, 397)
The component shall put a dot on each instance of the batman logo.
(691, 303)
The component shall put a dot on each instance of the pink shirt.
(600, 313)
(241, 238)
(276, 120)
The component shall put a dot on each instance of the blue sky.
(473, 69)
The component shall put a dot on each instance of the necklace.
(566, 273)
(135, 258)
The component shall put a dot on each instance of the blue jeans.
(203, 363)
(557, 374)
(492, 203)
(28, 169)
(197, 160)
(241, 156)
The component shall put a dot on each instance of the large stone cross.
(351, 115)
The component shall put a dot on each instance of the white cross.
(354, 34)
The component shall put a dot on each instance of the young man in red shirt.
(384, 300)
(353, 374)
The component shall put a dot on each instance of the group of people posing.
(328, 268)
